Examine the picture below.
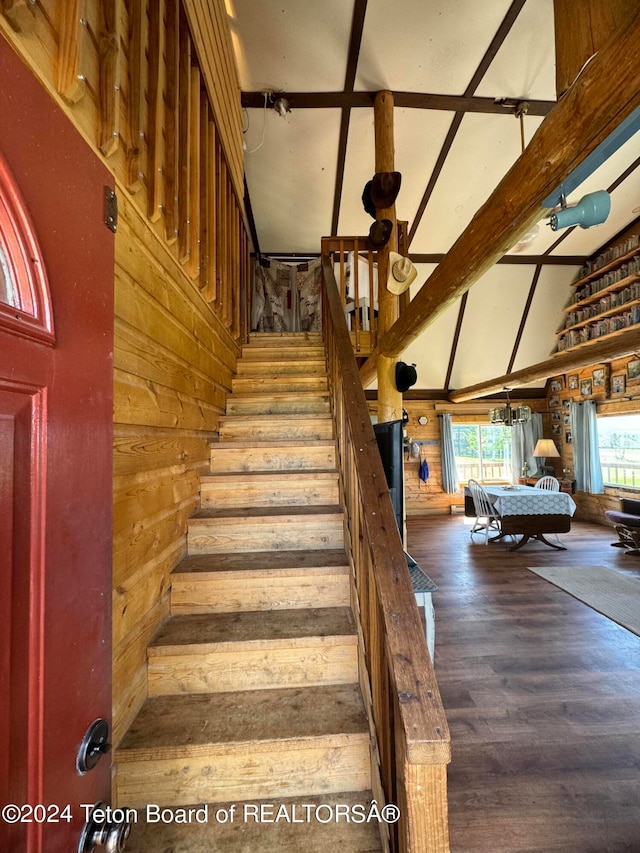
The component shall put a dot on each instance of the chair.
(550, 484)
(484, 510)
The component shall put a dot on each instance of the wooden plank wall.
(132, 81)
(592, 507)
(429, 498)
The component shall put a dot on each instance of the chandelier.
(509, 416)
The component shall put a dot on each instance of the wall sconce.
(592, 209)
(281, 106)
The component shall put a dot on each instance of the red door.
(56, 379)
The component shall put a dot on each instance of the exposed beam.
(409, 100)
(357, 27)
(250, 220)
(606, 92)
(624, 343)
(524, 318)
(454, 344)
(528, 260)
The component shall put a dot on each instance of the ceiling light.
(592, 209)
(509, 416)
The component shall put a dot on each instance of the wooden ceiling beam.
(606, 92)
(409, 100)
(624, 343)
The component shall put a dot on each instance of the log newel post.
(389, 398)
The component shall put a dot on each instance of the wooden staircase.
(253, 681)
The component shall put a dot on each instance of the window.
(619, 443)
(483, 452)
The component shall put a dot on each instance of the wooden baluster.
(109, 50)
(154, 128)
(373, 320)
(205, 225)
(219, 228)
(171, 144)
(194, 173)
(356, 295)
(184, 149)
(212, 210)
(137, 59)
(71, 77)
(20, 14)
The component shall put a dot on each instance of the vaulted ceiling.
(457, 69)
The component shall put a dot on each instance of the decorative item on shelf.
(509, 416)
(546, 447)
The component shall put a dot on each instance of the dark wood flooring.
(541, 692)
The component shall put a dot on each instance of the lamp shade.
(545, 447)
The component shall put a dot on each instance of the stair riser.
(276, 385)
(306, 367)
(265, 429)
(315, 661)
(235, 459)
(235, 495)
(217, 536)
(229, 592)
(246, 771)
(317, 404)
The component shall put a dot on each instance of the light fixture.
(281, 106)
(526, 239)
(592, 209)
(546, 447)
(509, 416)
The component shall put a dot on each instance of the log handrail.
(408, 719)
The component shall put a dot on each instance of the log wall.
(592, 507)
(162, 110)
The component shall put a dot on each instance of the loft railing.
(408, 722)
(355, 266)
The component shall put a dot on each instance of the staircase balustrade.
(397, 677)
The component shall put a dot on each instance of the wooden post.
(389, 398)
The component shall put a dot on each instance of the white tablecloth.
(526, 500)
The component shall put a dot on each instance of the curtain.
(586, 454)
(523, 440)
(286, 298)
(449, 471)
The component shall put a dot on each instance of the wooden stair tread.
(250, 627)
(245, 833)
(168, 724)
(264, 561)
(306, 416)
(268, 476)
(266, 512)
(261, 445)
(277, 395)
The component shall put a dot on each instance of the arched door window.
(25, 304)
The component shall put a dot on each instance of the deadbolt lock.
(94, 745)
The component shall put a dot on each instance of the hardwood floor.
(541, 692)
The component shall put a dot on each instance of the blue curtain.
(449, 471)
(586, 455)
(523, 440)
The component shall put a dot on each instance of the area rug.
(614, 595)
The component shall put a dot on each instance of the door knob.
(98, 831)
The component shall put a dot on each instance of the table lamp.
(545, 447)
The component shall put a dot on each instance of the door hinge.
(110, 209)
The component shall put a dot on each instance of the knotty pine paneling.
(111, 66)
(592, 507)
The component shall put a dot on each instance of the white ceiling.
(417, 46)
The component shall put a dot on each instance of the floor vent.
(457, 509)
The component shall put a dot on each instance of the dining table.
(529, 512)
